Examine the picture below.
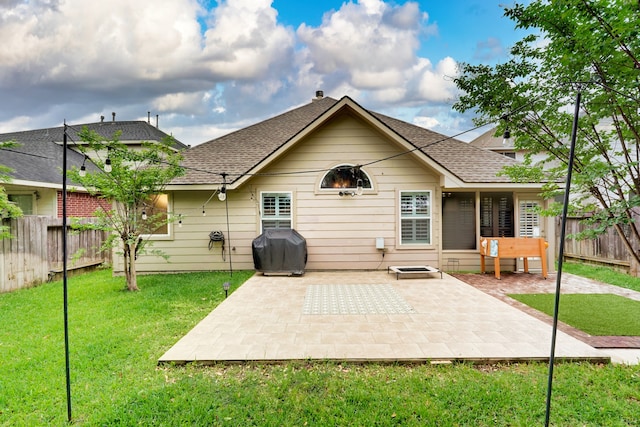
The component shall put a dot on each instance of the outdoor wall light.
(226, 286)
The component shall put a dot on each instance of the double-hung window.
(415, 217)
(275, 211)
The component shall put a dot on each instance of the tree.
(7, 209)
(131, 180)
(587, 45)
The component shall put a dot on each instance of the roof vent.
(101, 119)
(113, 116)
(319, 94)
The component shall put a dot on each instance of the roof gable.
(249, 151)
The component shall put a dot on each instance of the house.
(36, 163)
(365, 190)
(504, 146)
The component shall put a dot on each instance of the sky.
(207, 67)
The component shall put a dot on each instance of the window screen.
(458, 221)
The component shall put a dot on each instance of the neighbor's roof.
(38, 155)
(40, 162)
(239, 152)
(489, 141)
(131, 131)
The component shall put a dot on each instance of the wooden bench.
(412, 270)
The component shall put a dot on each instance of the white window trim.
(262, 193)
(401, 244)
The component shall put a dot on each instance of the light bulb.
(506, 137)
(222, 195)
(107, 165)
(359, 187)
(144, 215)
(83, 171)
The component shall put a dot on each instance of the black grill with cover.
(280, 251)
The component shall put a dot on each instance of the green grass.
(602, 274)
(595, 314)
(116, 338)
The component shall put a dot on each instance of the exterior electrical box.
(379, 242)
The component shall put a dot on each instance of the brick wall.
(81, 205)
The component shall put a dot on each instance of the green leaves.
(576, 45)
(7, 209)
(133, 179)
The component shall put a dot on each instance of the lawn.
(595, 314)
(116, 338)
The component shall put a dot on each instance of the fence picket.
(36, 249)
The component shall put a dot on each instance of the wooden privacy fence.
(34, 254)
(607, 248)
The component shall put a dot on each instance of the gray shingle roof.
(237, 153)
(38, 156)
(468, 163)
(40, 161)
(131, 131)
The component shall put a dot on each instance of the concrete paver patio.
(447, 320)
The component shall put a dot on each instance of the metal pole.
(226, 206)
(572, 147)
(64, 270)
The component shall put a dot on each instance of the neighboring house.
(350, 181)
(36, 184)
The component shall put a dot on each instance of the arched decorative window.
(346, 176)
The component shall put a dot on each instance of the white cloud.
(185, 103)
(245, 39)
(436, 84)
(372, 46)
(104, 44)
(205, 70)
(426, 122)
(364, 38)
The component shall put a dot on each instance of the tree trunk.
(130, 266)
